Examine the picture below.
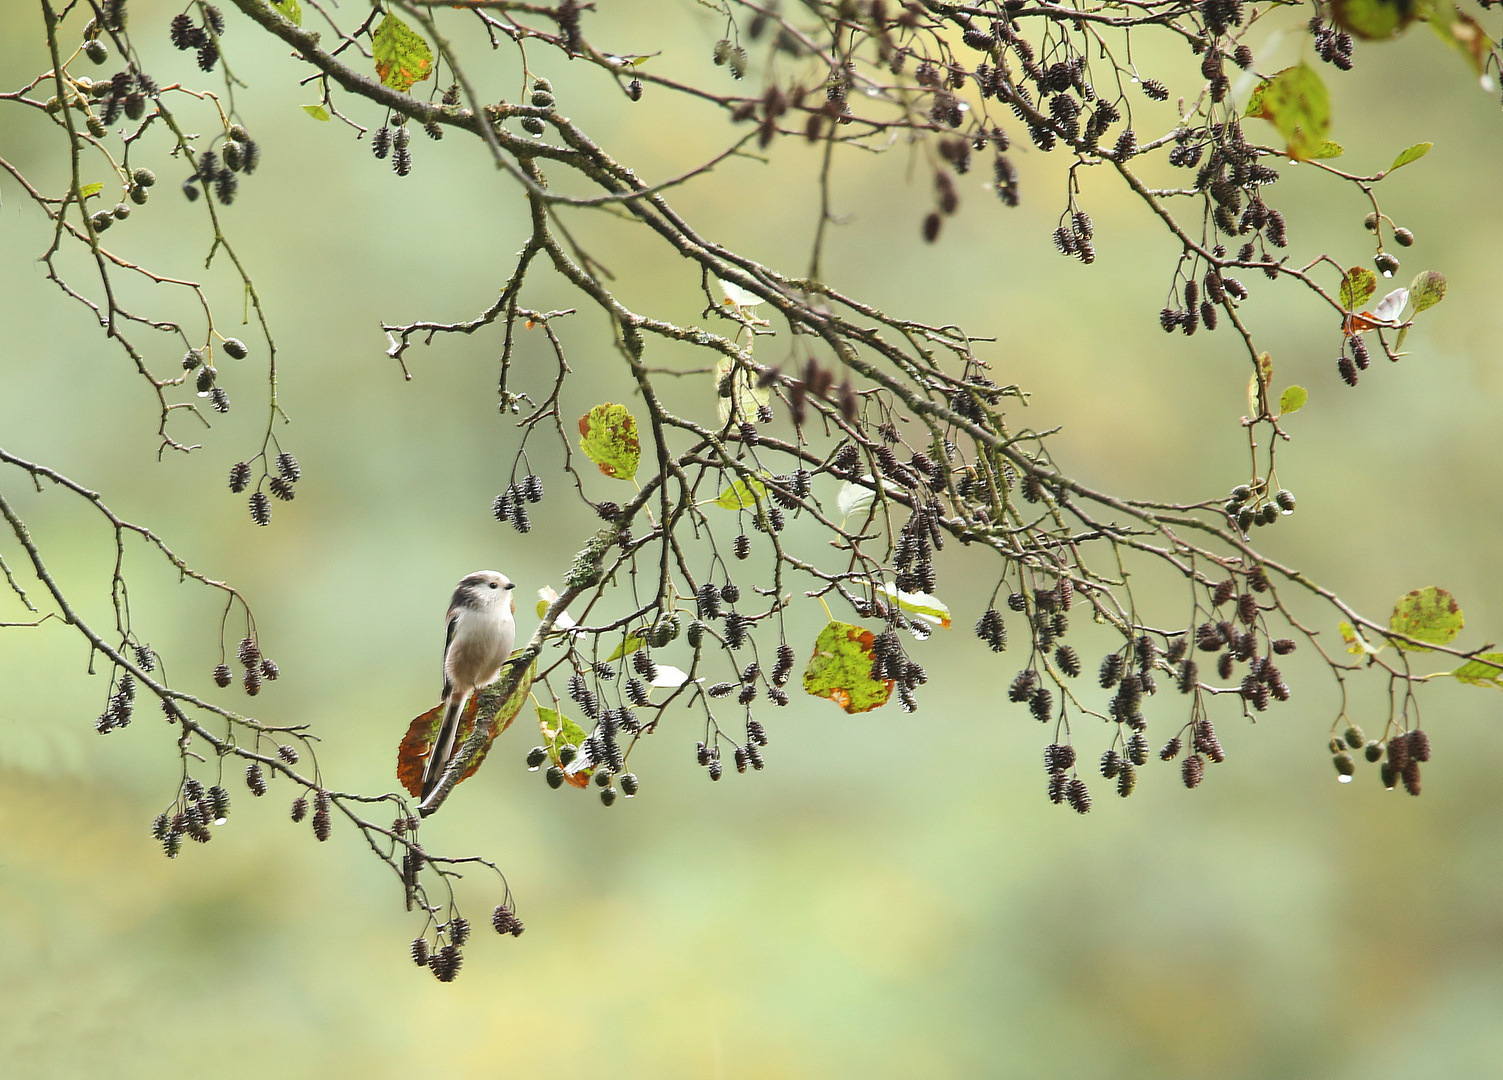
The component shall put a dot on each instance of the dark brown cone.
(1398, 752)
(1412, 777)
(1078, 795)
(1419, 745)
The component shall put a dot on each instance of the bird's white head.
(482, 589)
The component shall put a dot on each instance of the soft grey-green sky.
(893, 896)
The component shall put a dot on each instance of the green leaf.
(841, 669)
(1256, 107)
(743, 394)
(1292, 399)
(1327, 149)
(88, 191)
(635, 640)
(1398, 344)
(1413, 153)
(1298, 105)
(559, 731)
(1483, 670)
(290, 8)
(608, 436)
(1358, 287)
(1427, 289)
(924, 605)
(402, 57)
(742, 495)
(318, 112)
(1429, 614)
(1373, 19)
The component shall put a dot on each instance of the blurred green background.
(893, 896)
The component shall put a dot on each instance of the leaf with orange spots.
(1357, 287)
(1427, 614)
(402, 57)
(608, 436)
(841, 669)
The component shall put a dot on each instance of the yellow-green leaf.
(742, 495)
(318, 112)
(608, 436)
(402, 57)
(1256, 108)
(557, 728)
(1358, 287)
(1430, 615)
(1356, 644)
(559, 731)
(1298, 105)
(841, 669)
(88, 191)
(1413, 153)
(1427, 289)
(1483, 670)
(290, 8)
(1373, 19)
(1327, 149)
(633, 641)
(1292, 399)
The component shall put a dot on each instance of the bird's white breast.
(483, 639)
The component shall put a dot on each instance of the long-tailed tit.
(481, 632)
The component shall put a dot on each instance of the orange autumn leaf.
(417, 744)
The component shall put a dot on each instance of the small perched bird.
(481, 632)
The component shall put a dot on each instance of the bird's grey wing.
(449, 640)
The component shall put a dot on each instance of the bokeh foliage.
(889, 899)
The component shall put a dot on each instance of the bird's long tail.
(443, 745)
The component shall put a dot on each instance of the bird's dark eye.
(494, 585)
